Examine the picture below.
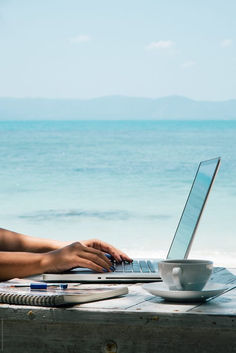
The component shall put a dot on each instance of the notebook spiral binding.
(28, 299)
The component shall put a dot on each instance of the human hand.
(117, 254)
(76, 255)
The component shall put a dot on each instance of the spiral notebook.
(58, 297)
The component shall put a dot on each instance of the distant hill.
(116, 108)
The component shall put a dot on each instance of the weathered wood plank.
(157, 304)
(224, 304)
(82, 331)
(224, 276)
(136, 295)
(232, 270)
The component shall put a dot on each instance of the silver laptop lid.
(194, 206)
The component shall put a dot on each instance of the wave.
(122, 215)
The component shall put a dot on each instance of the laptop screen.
(189, 220)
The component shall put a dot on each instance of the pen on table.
(41, 285)
(46, 285)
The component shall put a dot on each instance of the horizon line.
(117, 95)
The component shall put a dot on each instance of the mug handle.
(176, 273)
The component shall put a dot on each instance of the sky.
(85, 49)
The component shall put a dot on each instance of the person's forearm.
(21, 264)
(11, 241)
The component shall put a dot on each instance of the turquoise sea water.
(124, 182)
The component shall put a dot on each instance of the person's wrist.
(46, 262)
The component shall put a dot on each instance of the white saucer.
(161, 290)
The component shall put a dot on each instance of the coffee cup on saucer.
(185, 275)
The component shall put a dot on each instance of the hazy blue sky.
(90, 48)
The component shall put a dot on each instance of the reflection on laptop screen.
(193, 208)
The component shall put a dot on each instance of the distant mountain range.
(116, 108)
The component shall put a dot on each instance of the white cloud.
(226, 43)
(161, 44)
(187, 64)
(80, 39)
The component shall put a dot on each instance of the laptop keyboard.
(140, 266)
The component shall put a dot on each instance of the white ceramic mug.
(189, 275)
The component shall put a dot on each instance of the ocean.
(125, 182)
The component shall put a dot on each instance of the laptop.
(146, 270)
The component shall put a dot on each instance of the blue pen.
(45, 285)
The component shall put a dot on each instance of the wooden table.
(138, 323)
